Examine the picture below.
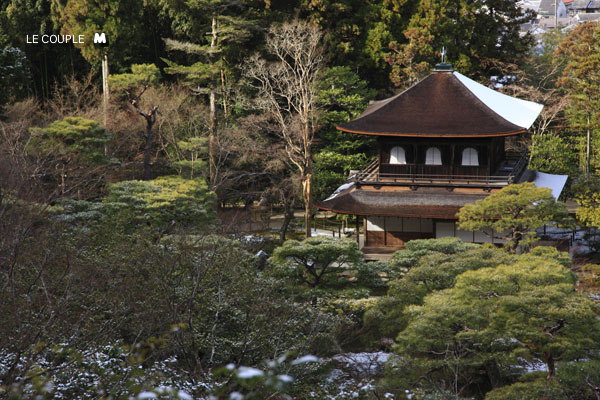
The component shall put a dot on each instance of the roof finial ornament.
(443, 66)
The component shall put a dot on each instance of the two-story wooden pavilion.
(441, 146)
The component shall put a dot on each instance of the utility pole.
(555, 14)
(105, 91)
(105, 94)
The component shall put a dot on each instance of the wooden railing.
(372, 175)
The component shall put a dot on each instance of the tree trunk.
(550, 364)
(148, 149)
(307, 192)
(62, 180)
(287, 218)
(213, 114)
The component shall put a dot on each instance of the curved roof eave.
(522, 113)
(446, 104)
(339, 128)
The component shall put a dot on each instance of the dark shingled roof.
(438, 106)
(423, 203)
(584, 4)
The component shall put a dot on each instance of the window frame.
(471, 151)
(403, 158)
(435, 155)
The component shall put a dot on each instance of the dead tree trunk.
(150, 118)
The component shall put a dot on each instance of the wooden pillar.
(452, 160)
(366, 234)
(384, 233)
(414, 163)
(357, 231)
(489, 160)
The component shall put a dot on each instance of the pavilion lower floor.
(396, 231)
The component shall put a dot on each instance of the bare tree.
(287, 93)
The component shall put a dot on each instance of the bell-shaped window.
(433, 156)
(470, 157)
(397, 155)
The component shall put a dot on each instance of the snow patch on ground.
(363, 364)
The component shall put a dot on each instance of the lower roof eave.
(449, 215)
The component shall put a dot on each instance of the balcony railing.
(508, 173)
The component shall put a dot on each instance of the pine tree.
(514, 213)
(70, 141)
(209, 75)
(134, 85)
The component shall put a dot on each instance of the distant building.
(550, 8)
(588, 17)
(583, 6)
(441, 146)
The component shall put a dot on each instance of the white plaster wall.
(375, 224)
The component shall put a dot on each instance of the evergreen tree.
(133, 28)
(134, 85)
(357, 33)
(69, 142)
(227, 31)
(342, 96)
(479, 37)
(494, 323)
(514, 213)
(580, 53)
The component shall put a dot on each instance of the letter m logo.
(99, 38)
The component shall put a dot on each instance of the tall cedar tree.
(357, 33)
(580, 52)
(133, 28)
(480, 35)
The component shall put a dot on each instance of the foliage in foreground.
(492, 325)
(432, 264)
(199, 301)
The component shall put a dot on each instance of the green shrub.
(540, 389)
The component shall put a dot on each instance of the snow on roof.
(555, 182)
(340, 189)
(519, 112)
